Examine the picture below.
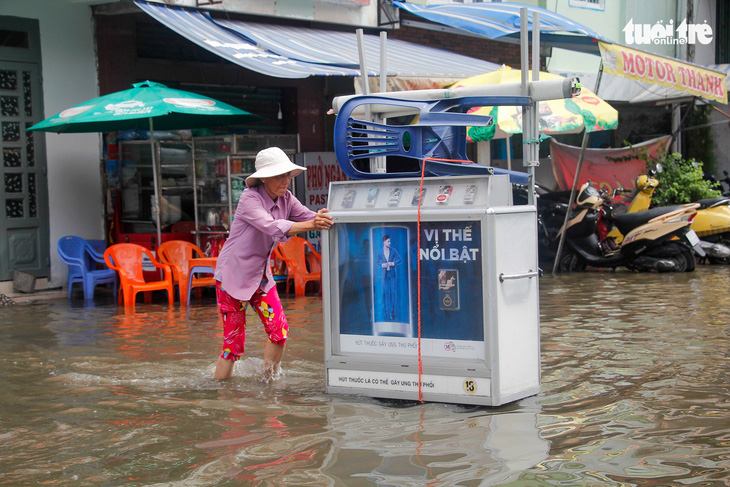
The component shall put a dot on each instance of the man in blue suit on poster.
(388, 260)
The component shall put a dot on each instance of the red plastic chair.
(294, 254)
(177, 254)
(278, 266)
(126, 259)
(315, 265)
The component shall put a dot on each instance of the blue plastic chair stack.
(82, 261)
(437, 140)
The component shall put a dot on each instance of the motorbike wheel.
(680, 263)
(720, 260)
(686, 261)
(571, 262)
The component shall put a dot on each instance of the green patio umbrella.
(146, 106)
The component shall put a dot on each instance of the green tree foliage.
(680, 180)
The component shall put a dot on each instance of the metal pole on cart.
(383, 61)
(576, 178)
(530, 132)
(535, 160)
(363, 68)
(380, 162)
(376, 162)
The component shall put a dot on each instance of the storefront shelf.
(221, 164)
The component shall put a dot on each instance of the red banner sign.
(605, 168)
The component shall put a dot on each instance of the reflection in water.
(634, 378)
(634, 392)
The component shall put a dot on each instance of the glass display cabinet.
(200, 182)
(221, 166)
(136, 185)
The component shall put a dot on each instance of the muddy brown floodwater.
(635, 383)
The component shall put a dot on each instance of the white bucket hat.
(272, 162)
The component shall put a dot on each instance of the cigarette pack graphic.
(394, 197)
(372, 197)
(448, 289)
(444, 194)
(470, 194)
(349, 198)
(414, 201)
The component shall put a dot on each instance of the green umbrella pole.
(155, 182)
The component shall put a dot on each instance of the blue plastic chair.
(437, 140)
(82, 261)
(98, 245)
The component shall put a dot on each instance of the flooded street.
(635, 392)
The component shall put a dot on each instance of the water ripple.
(634, 393)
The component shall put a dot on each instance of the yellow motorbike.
(711, 223)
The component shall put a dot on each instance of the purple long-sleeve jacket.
(258, 225)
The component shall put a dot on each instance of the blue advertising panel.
(378, 280)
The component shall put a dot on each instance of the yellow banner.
(650, 68)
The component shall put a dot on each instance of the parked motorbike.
(711, 224)
(724, 182)
(649, 243)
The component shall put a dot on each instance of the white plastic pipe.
(553, 89)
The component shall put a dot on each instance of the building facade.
(77, 50)
(62, 52)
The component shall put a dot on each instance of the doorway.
(24, 225)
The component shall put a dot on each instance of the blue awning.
(331, 48)
(501, 21)
(198, 27)
(297, 52)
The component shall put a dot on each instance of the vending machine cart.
(470, 254)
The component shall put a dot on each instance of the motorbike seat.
(555, 196)
(710, 202)
(628, 221)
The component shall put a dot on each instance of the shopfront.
(290, 87)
